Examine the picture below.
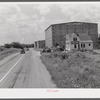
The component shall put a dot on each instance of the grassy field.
(7, 51)
(74, 69)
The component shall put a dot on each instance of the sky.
(26, 22)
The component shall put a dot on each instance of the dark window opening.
(74, 45)
(57, 44)
(84, 45)
(74, 39)
(81, 45)
(89, 44)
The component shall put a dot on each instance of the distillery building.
(39, 44)
(55, 34)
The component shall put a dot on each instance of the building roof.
(84, 37)
(40, 41)
(68, 36)
(71, 23)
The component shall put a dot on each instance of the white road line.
(11, 69)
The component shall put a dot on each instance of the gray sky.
(26, 23)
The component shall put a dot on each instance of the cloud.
(43, 9)
(15, 25)
(8, 18)
(28, 22)
(82, 11)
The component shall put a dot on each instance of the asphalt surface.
(24, 71)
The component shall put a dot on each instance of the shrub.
(72, 70)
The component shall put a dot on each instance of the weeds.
(72, 70)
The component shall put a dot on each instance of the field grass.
(7, 51)
(72, 70)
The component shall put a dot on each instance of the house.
(78, 42)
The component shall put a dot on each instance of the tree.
(17, 45)
(32, 45)
(7, 45)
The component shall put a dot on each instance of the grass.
(72, 70)
(6, 52)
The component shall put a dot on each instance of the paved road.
(24, 71)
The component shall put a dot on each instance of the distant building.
(35, 44)
(39, 44)
(78, 42)
(55, 34)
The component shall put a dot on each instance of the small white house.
(78, 42)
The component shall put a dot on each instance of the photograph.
(50, 45)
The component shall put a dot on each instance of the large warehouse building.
(55, 34)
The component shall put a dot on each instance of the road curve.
(24, 71)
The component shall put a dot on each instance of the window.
(74, 39)
(84, 45)
(81, 45)
(89, 44)
(74, 45)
